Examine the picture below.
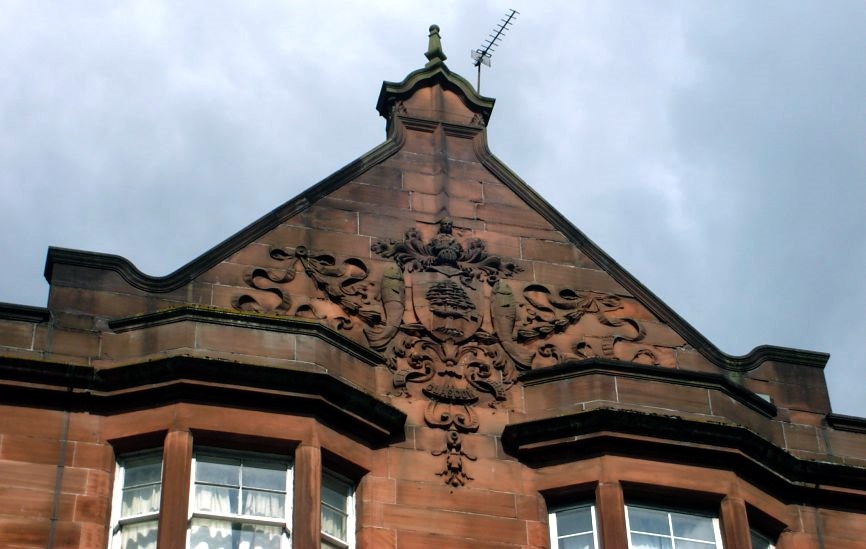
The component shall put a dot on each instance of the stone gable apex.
(434, 163)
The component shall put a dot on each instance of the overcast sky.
(716, 150)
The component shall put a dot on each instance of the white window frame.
(675, 511)
(349, 542)
(118, 522)
(285, 524)
(553, 526)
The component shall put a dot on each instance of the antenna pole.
(483, 54)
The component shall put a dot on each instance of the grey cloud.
(716, 151)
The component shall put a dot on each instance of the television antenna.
(482, 55)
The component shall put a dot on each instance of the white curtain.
(219, 534)
(333, 523)
(222, 500)
(261, 537)
(215, 499)
(135, 502)
(210, 534)
(264, 504)
(224, 534)
(138, 536)
(140, 501)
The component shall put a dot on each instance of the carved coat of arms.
(448, 318)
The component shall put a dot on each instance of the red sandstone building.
(417, 351)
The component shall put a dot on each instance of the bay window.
(224, 499)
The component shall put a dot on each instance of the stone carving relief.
(341, 295)
(450, 319)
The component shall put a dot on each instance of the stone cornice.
(204, 381)
(656, 373)
(255, 321)
(24, 313)
(550, 441)
(851, 424)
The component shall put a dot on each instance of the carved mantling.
(452, 322)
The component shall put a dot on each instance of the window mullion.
(176, 480)
(612, 519)
(307, 518)
(734, 527)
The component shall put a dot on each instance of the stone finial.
(434, 53)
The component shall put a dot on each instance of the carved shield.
(446, 306)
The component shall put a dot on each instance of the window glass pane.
(336, 497)
(216, 499)
(643, 541)
(269, 476)
(582, 541)
(574, 521)
(264, 504)
(215, 470)
(139, 472)
(139, 536)
(140, 501)
(210, 534)
(335, 492)
(648, 520)
(333, 523)
(693, 527)
(337, 500)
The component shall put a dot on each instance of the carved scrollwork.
(450, 319)
(342, 284)
(543, 313)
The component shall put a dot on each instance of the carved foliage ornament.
(448, 318)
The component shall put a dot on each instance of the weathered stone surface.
(421, 283)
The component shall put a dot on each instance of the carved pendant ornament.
(449, 319)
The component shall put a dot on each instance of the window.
(239, 501)
(338, 515)
(135, 508)
(573, 528)
(650, 528)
